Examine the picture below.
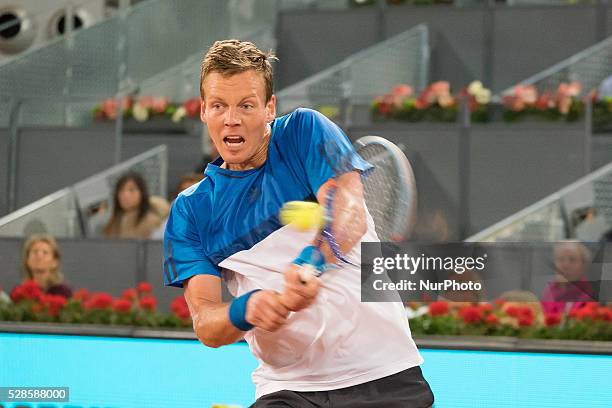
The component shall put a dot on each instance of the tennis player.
(316, 343)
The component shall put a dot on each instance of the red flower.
(28, 290)
(145, 287)
(179, 307)
(525, 320)
(99, 300)
(491, 320)
(122, 305)
(526, 312)
(17, 294)
(485, 308)
(81, 295)
(471, 314)
(591, 306)
(544, 101)
(148, 303)
(178, 302)
(583, 313)
(32, 290)
(512, 311)
(604, 313)
(129, 294)
(499, 302)
(438, 308)
(53, 303)
(146, 101)
(192, 106)
(552, 319)
(183, 314)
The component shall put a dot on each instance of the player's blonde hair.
(230, 57)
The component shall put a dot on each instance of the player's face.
(237, 115)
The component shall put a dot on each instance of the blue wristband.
(313, 256)
(237, 311)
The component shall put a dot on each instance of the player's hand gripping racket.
(389, 191)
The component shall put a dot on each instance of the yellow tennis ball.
(303, 215)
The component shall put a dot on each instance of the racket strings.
(381, 190)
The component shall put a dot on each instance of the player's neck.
(257, 160)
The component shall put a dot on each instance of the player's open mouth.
(233, 141)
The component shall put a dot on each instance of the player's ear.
(203, 111)
(271, 109)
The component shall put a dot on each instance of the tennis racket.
(389, 190)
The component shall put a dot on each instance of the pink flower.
(446, 101)
(564, 104)
(146, 101)
(159, 104)
(440, 88)
(527, 93)
(109, 108)
(569, 89)
(402, 90)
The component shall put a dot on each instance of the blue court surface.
(145, 373)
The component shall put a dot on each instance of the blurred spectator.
(570, 287)
(135, 213)
(41, 263)
(605, 88)
(187, 181)
(462, 297)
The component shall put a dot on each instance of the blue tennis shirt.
(228, 226)
(231, 211)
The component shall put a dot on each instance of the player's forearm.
(212, 326)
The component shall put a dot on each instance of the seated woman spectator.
(41, 263)
(570, 289)
(186, 181)
(135, 214)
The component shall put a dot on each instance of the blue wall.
(135, 373)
